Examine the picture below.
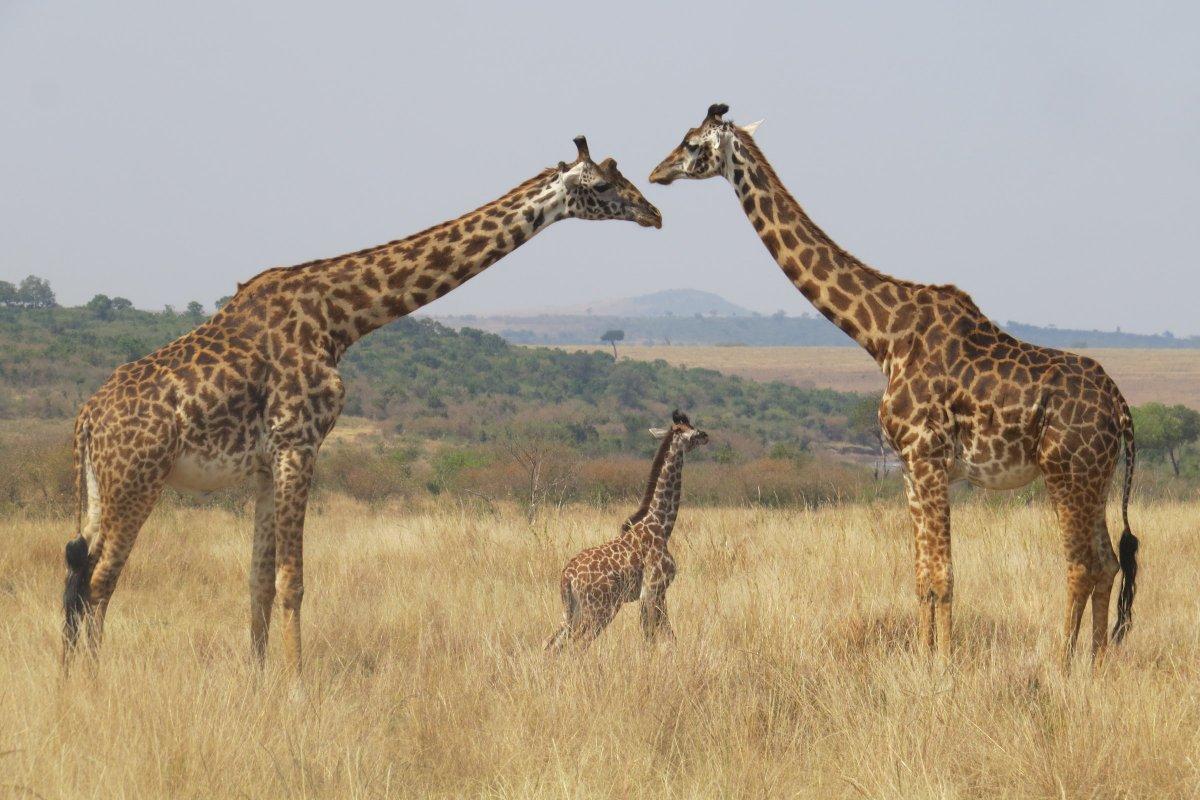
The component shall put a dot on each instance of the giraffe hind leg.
(592, 622)
(557, 639)
(128, 496)
(121, 521)
(262, 567)
(1105, 575)
(570, 617)
(1080, 511)
(92, 576)
(1079, 589)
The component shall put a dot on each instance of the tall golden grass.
(794, 673)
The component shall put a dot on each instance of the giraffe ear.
(659, 433)
(571, 175)
(752, 127)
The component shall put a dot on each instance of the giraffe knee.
(290, 589)
(104, 581)
(1105, 571)
(936, 585)
(1109, 566)
(1082, 576)
(262, 592)
(943, 585)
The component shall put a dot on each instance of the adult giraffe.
(255, 390)
(964, 400)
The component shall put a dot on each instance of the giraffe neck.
(865, 303)
(362, 291)
(657, 468)
(673, 491)
(665, 504)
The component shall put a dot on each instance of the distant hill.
(660, 318)
(667, 303)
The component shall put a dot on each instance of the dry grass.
(793, 675)
(1165, 376)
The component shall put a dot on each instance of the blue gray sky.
(1043, 156)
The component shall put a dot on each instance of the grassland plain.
(1150, 375)
(794, 673)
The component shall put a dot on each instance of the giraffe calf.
(596, 582)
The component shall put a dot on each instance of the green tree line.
(429, 380)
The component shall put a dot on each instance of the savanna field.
(794, 673)
(446, 504)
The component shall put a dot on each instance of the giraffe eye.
(603, 186)
(691, 147)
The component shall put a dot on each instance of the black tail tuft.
(75, 592)
(1127, 556)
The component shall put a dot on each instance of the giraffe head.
(600, 191)
(681, 427)
(705, 150)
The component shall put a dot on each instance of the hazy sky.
(1043, 156)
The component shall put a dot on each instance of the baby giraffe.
(637, 563)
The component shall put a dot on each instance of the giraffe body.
(637, 565)
(964, 400)
(253, 392)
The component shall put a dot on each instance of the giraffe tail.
(1127, 547)
(79, 568)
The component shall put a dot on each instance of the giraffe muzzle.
(664, 174)
(650, 217)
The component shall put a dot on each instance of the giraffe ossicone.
(252, 393)
(964, 400)
(637, 564)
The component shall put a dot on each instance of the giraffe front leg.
(262, 567)
(927, 485)
(654, 617)
(1106, 573)
(1079, 589)
(292, 476)
(654, 600)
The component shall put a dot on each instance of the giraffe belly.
(994, 474)
(198, 472)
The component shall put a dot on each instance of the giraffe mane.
(655, 469)
(322, 262)
(747, 141)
